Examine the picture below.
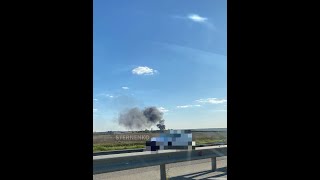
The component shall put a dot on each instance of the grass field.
(109, 142)
(112, 147)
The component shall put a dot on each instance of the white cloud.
(106, 95)
(212, 101)
(220, 110)
(143, 70)
(188, 106)
(185, 106)
(125, 87)
(95, 99)
(95, 110)
(197, 18)
(162, 109)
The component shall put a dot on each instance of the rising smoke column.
(139, 119)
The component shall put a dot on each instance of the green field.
(110, 147)
(208, 141)
(122, 146)
(137, 145)
(109, 142)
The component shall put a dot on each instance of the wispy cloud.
(220, 110)
(95, 110)
(125, 88)
(95, 99)
(211, 101)
(143, 70)
(199, 55)
(197, 18)
(188, 106)
(162, 109)
(106, 95)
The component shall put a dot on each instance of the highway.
(197, 169)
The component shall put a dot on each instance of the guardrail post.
(163, 175)
(213, 163)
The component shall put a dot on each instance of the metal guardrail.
(100, 153)
(118, 162)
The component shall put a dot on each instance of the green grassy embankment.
(137, 145)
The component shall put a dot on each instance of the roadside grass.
(117, 146)
(141, 144)
(208, 141)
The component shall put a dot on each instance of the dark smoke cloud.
(161, 125)
(139, 119)
(152, 114)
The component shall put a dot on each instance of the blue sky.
(168, 54)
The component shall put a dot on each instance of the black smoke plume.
(140, 119)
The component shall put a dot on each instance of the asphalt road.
(197, 169)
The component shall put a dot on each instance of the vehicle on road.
(171, 139)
